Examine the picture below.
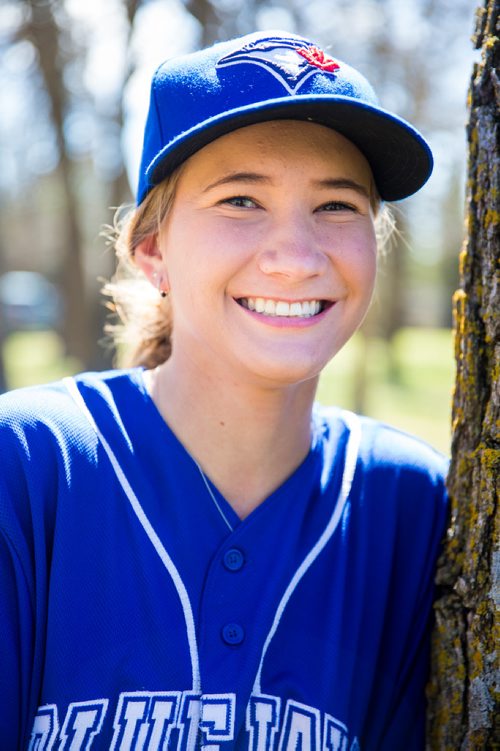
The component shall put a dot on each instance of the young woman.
(192, 554)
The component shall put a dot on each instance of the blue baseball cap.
(274, 75)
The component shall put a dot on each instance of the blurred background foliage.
(74, 89)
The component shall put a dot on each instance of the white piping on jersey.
(351, 455)
(353, 423)
(77, 397)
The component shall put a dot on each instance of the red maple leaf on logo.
(319, 58)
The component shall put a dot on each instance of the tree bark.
(464, 712)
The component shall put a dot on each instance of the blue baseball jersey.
(137, 611)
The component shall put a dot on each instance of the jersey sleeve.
(37, 430)
(405, 726)
(16, 642)
(17, 587)
(407, 485)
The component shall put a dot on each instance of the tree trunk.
(3, 336)
(393, 291)
(45, 34)
(102, 353)
(209, 18)
(3, 331)
(463, 711)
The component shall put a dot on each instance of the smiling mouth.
(283, 309)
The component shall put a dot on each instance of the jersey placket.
(245, 586)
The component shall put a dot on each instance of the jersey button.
(233, 559)
(233, 634)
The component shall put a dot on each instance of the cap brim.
(400, 159)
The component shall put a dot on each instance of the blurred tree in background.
(74, 77)
(44, 26)
(63, 121)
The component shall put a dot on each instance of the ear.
(149, 259)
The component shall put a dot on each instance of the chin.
(287, 373)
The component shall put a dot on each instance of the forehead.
(282, 144)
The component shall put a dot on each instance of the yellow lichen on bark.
(464, 713)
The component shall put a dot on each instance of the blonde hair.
(142, 327)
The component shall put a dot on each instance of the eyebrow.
(238, 177)
(255, 177)
(345, 183)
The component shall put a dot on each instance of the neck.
(246, 437)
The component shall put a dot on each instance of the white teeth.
(270, 308)
(281, 308)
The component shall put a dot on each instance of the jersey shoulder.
(51, 455)
(383, 447)
(46, 442)
(398, 478)
(35, 412)
(386, 446)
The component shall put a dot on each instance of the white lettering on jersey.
(162, 718)
(82, 723)
(335, 735)
(262, 722)
(217, 718)
(157, 720)
(301, 728)
(189, 720)
(45, 728)
(144, 720)
(130, 717)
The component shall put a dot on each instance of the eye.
(240, 202)
(334, 206)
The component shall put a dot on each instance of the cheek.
(355, 257)
(233, 242)
(366, 268)
(205, 246)
(368, 261)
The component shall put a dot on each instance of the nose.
(291, 250)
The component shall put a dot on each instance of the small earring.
(157, 282)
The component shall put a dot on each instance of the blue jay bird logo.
(290, 61)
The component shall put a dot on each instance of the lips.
(283, 308)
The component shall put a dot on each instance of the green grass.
(36, 357)
(408, 385)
